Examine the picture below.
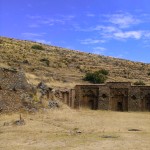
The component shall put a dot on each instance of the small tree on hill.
(104, 72)
(96, 77)
(37, 47)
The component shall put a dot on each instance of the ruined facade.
(16, 93)
(116, 96)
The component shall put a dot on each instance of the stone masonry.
(15, 92)
(116, 96)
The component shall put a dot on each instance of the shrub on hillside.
(104, 72)
(148, 73)
(37, 47)
(139, 83)
(96, 77)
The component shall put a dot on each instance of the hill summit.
(64, 68)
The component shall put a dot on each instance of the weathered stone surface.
(117, 96)
(53, 104)
(15, 92)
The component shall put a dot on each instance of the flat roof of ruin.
(113, 83)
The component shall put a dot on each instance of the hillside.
(60, 67)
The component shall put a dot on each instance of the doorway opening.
(93, 104)
(119, 106)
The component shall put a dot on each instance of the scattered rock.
(7, 123)
(78, 132)
(53, 104)
(134, 130)
(44, 89)
(109, 136)
(19, 122)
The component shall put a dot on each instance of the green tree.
(96, 77)
(37, 47)
(104, 72)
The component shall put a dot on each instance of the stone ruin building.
(115, 96)
(16, 93)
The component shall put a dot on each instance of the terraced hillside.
(60, 67)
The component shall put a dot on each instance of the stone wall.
(15, 92)
(103, 102)
(116, 96)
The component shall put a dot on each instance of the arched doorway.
(119, 99)
(146, 103)
(90, 100)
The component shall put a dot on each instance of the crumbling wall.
(15, 92)
(86, 96)
(134, 103)
(104, 96)
(145, 98)
(72, 98)
(12, 79)
(117, 96)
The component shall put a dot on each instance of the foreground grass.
(76, 130)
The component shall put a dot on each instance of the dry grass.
(66, 68)
(60, 130)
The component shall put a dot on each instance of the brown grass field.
(68, 129)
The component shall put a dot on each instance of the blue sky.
(118, 28)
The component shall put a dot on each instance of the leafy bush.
(37, 47)
(104, 72)
(96, 77)
(139, 83)
(148, 73)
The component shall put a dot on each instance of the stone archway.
(146, 103)
(90, 100)
(119, 99)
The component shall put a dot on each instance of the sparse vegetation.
(139, 83)
(148, 73)
(104, 72)
(37, 47)
(45, 60)
(67, 129)
(54, 64)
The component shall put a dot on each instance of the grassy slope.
(66, 67)
(57, 130)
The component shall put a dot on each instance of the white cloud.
(123, 20)
(91, 41)
(128, 34)
(59, 19)
(105, 28)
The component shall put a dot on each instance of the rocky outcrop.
(15, 92)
